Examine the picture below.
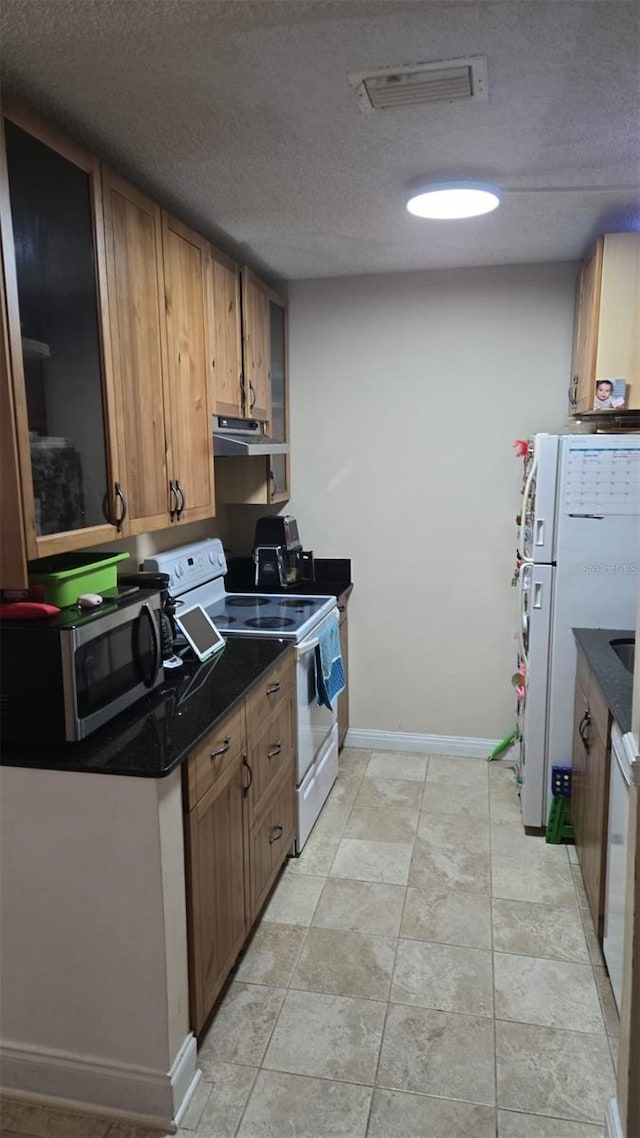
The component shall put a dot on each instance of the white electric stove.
(196, 576)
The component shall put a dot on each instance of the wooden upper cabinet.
(225, 335)
(58, 333)
(133, 232)
(606, 342)
(256, 346)
(185, 270)
(13, 553)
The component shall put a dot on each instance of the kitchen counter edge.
(155, 736)
(615, 682)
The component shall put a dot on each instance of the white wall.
(407, 391)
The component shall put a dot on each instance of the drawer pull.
(247, 788)
(583, 728)
(223, 749)
(277, 750)
(341, 608)
(276, 834)
(273, 688)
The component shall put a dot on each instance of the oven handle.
(306, 647)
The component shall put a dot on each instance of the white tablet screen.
(200, 631)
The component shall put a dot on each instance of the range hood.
(235, 437)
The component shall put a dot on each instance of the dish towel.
(330, 680)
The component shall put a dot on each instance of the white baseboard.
(612, 1118)
(64, 1080)
(460, 745)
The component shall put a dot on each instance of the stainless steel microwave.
(63, 678)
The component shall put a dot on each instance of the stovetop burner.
(246, 602)
(298, 602)
(270, 622)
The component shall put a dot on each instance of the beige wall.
(407, 392)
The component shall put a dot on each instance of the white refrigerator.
(579, 543)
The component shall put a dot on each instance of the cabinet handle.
(252, 398)
(277, 750)
(273, 688)
(342, 608)
(123, 502)
(183, 499)
(223, 749)
(583, 728)
(243, 393)
(277, 833)
(247, 788)
(274, 484)
(173, 512)
(573, 387)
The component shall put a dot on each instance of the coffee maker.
(279, 559)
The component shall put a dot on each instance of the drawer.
(270, 841)
(215, 755)
(268, 696)
(270, 750)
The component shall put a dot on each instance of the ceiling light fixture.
(444, 201)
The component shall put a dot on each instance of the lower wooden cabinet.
(590, 786)
(217, 870)
(239, 800)
(271, 839)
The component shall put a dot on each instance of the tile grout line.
(288, 986)
(393, 969)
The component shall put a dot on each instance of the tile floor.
(423, 970)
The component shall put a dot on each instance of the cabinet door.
(225, 335)
(256, 348)
(279, 489)
(216, 868)
(579, 774)
(271, 839)
(343, 699)
(13, 553)
(133, 230)
(587, 333)
(185, 255)
(618, 347)
(53, 248)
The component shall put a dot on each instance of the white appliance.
(617, 844)
(579, 545)
(196, 576)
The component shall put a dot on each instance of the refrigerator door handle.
(537, 595)
(539, 531)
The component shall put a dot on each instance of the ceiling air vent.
(440, 82)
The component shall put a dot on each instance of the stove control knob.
(179, 569)
(221, 559)
(212, 557)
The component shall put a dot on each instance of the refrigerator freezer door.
(539, 502)
(537, 601)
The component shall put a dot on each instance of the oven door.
(314, 720)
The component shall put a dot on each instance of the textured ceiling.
(238, 115)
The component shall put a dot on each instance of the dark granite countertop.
(332, 577)
(615, 682)
(153, 737)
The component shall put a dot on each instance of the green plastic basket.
(69, 575)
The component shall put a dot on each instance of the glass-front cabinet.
(52, 235)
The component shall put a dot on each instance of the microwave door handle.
(147, 614)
